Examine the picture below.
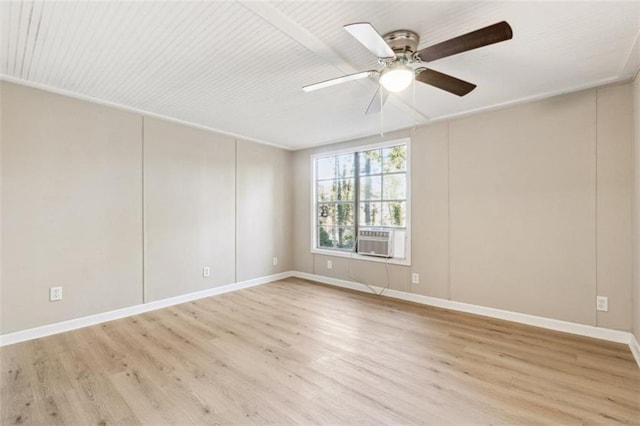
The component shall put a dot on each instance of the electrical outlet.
(415, 278)
(329, 264)
(206, 272)
(602, 303)
(55, 293)
(275, 261)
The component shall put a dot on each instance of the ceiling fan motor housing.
(404, 43)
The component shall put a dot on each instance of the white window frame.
(353, 255)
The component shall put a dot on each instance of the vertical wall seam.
(144, 251)
(235, 213)
(632, 208)
(449, 209)
(596, 209)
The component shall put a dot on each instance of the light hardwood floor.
(296, 352)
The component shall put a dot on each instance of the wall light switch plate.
(602, 303)
(55, 293)
(206, 272)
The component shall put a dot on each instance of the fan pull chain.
(381, 112)
(415, 112)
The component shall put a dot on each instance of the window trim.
(406, 261)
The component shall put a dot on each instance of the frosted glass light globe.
(396, 78)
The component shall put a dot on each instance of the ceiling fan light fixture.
(397, 78)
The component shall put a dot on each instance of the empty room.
(319, 212)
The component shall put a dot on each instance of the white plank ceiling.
(238, 67)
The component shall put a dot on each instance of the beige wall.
(636, 208)
(72, 175)
(614, 201)
(544, 240)
(524, 209)
(189, 200)
(1, 238)
(71, 208)
(264, 210)
(430, 209)
(302, 258)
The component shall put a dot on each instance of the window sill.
(355, 256)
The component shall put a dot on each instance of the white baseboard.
(537, 321)
(73, 324)
(635, 348)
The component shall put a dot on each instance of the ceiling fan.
(402, 62)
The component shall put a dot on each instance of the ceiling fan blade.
(370, 38)
(483, 37)
(339, 80)
(445, 82)
(376, 103)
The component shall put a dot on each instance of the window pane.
(326, 214)
(370, 214)
(393, 214)
(345, 190)
(340, 237)
(371, 188)
(333, 214)
(326, 168)
(344, 214)
(346, 238)
(346, 165)
(370, 162)
(394, 159)
(336, 190)
(325, 238)
(395, 187)
(325, 191)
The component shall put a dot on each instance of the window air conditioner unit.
(375, 242)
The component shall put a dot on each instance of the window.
(362, 188)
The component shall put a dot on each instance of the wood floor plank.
(296, 352)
